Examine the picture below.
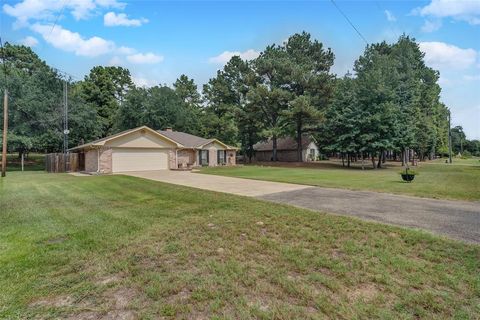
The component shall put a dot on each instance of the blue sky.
(160, 40)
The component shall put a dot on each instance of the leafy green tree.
(376, 99)
(306, 75)
(35, 91)
(187, 91)
(458, 139)
(344, 121)
(131, 112)
(224, 94)
(105, 88)
(268, 97)
(158, 107)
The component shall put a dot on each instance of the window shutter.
(208, 155)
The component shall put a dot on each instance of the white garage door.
(139, 159)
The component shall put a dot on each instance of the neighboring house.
(143, 149)
(287, 150)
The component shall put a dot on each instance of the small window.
(203, 157)
(221, 155)
(312, 154)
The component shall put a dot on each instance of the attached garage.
(139, 149)
(134, 159)
(144, 149)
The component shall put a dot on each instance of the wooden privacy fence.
(60, 162)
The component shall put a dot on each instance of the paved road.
(456, 219)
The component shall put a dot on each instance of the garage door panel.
(139, 159)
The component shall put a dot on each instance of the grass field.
(123, 248)
(458, 181)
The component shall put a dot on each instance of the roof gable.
(215, 141)
(104, 141)
(141, 139)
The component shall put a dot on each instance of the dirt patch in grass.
(111, 315)
(106, 280)
(56, 301)
(365, 292)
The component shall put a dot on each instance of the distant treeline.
(389, 104)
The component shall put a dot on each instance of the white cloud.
(70, 41)
(431, 26)
(225, 56)
(29, 41)
(144, 58)
(27, 10)
(111, 19)
(442, 56)
(144, 82)
(126, 50)
(115, 61)
(466, 10)
(390, 16)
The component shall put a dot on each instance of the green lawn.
(458, 181)
(118, 246)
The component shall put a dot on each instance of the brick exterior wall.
(171, 159)
(231, 157)
(186, 158)
(106, 160)
(91, 161)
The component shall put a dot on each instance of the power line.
(58, 16)
(350, 22)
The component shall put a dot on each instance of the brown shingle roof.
(186, 139)
(287, 143)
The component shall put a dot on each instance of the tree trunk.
(379, 164)
(343, 160)
(299, 141)
(373, 161)
(274, 148)
(348, 159)
(250, 149)
(361, 155)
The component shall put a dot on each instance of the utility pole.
(449, 137)
(65, 123)
(5, 129)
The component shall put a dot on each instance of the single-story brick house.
(143, 149)
(287, 150)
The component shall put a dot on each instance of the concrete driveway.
(241, 187)
(456, 219)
